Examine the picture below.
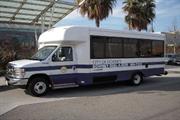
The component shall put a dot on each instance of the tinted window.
(130, 48)
(98, 47)
(145, 49)
(114, 48)
(158, 48)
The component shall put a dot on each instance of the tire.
(136, 79)
(38, 86)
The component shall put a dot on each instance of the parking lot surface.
(158, 98)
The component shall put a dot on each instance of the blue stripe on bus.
(88, 77)
(79, 66)
(56, 67)
(153, 63)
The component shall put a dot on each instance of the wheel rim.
(137, 79)
(40, 87)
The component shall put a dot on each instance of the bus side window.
(145, 48)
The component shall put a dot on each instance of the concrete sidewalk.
(173, 70)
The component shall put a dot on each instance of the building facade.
(172, 42)
(17, 42)
(19, 37)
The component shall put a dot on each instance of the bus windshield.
(43, 53)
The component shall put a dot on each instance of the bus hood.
(24, 63)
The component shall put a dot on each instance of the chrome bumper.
(16, 81)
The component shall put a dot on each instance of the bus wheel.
(136, 79)
(38, 86)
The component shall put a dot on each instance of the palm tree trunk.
(129, 26)
(97, 22)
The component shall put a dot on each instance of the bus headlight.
(19, 73)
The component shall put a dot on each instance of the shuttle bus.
(74, 56)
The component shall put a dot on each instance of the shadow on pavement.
(149, 86)
(6, 88)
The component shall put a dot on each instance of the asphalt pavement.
(158, 98)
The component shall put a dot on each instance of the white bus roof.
(78, 34)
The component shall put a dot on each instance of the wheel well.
(40, 75)
(138, 72)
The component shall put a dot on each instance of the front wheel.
(38, 86)
(136, 79)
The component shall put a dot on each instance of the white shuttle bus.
(74, 56)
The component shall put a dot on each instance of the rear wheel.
(136, 79)
(38, 86)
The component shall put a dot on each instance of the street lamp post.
(174, 42)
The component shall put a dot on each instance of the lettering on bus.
(101, 64)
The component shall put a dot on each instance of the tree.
(140, 13)
(97, 10)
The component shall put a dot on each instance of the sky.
(167, 16)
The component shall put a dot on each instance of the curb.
(173, 70)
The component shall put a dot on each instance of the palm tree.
(96, 9)
(140, 13)
(131, 8)
(150, 11)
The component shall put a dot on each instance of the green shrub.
(12, 50)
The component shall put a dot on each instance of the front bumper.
(16, 81)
